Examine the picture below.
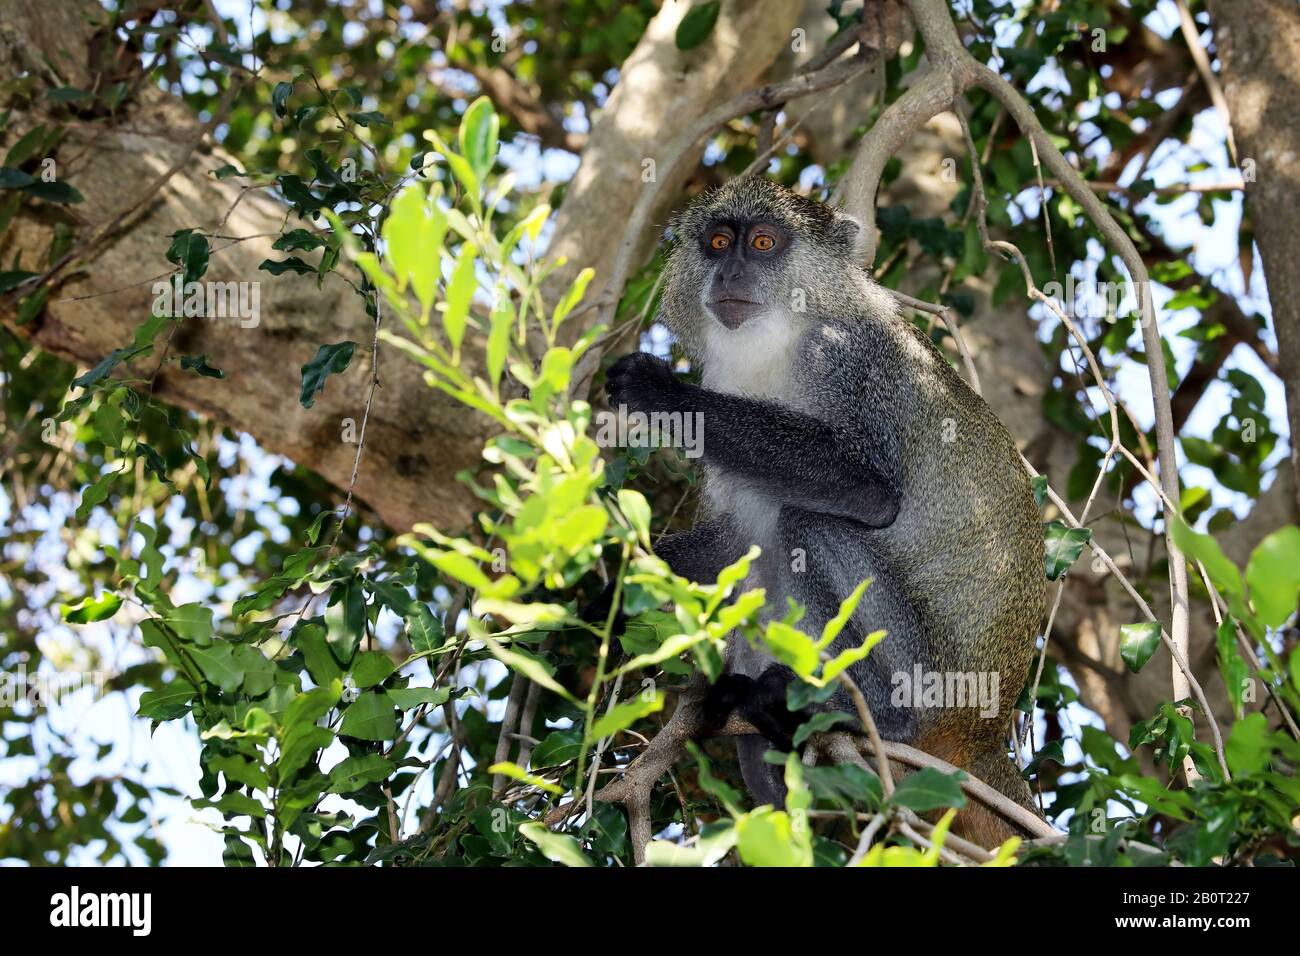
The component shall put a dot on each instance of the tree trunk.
(1259, 52)
(416, 439)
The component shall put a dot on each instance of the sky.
(172, 750)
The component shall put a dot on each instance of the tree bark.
(416, 439)
(1259, 52)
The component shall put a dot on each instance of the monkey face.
(755, 254)
(743, 255)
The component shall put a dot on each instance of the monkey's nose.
(731, 272)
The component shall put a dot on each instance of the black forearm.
(817, 466)
(700, 553)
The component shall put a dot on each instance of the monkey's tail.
(986, 826)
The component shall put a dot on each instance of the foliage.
(347, 687)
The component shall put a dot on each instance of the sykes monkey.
(839, 439)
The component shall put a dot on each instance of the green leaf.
(1137, 642)
(280, 97)
(413, 236)
(556, 847)
(1040, 488)
(90, 609)
(819, 723)
(1249, 747)
(31, 306)
(94, 494)
(1203, 548)
(237, 853)
(353, 773)
(189, 250)
(167, 703)
(369, 118)
(311, 638)
(847, 607)
(199, 364)
(55, 192)
(298, 239)
(347, 630)
(292, 264)
(928, 789)
(460, 291)
(637, 511)
(423, 630)
(259, 671)
(696, 26)
(217, 661)
(371, 668)
(192, 622)
(478, 132)
(1232, 666)
(1273, 575)
(407, 697)
(107, 364)
(459, 165)
(792, 647)
(516, 772)
(11, 279)
(572, 296)
(626, 714)
(766, 837)
(15, 178)
(28, 145)
(1063, 545)
(370, 717)
(531, 667)
(329, 360)
(308, 707)
(69, 94)
(850, 656)
(502, 322)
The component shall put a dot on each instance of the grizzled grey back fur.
(958, 577)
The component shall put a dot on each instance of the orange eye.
(763, 242)
(719, 241)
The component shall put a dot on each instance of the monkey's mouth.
(733, 312)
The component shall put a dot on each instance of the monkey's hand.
(644, 383)
(760, 701)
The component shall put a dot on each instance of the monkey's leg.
(988, 827)
(698, 555)
(762, 702)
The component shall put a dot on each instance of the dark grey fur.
(841, 433)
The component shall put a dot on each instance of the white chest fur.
(753, 360)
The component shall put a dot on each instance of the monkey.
(840, 440)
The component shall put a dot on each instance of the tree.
(985, 200)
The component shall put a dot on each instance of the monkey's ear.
(846, 231)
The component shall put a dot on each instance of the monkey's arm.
(701, 553)
(803, 461)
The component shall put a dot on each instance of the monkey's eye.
(763, 242)
(719, 241)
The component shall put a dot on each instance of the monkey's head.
(753, 251)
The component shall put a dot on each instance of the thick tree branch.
(1259, 52)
